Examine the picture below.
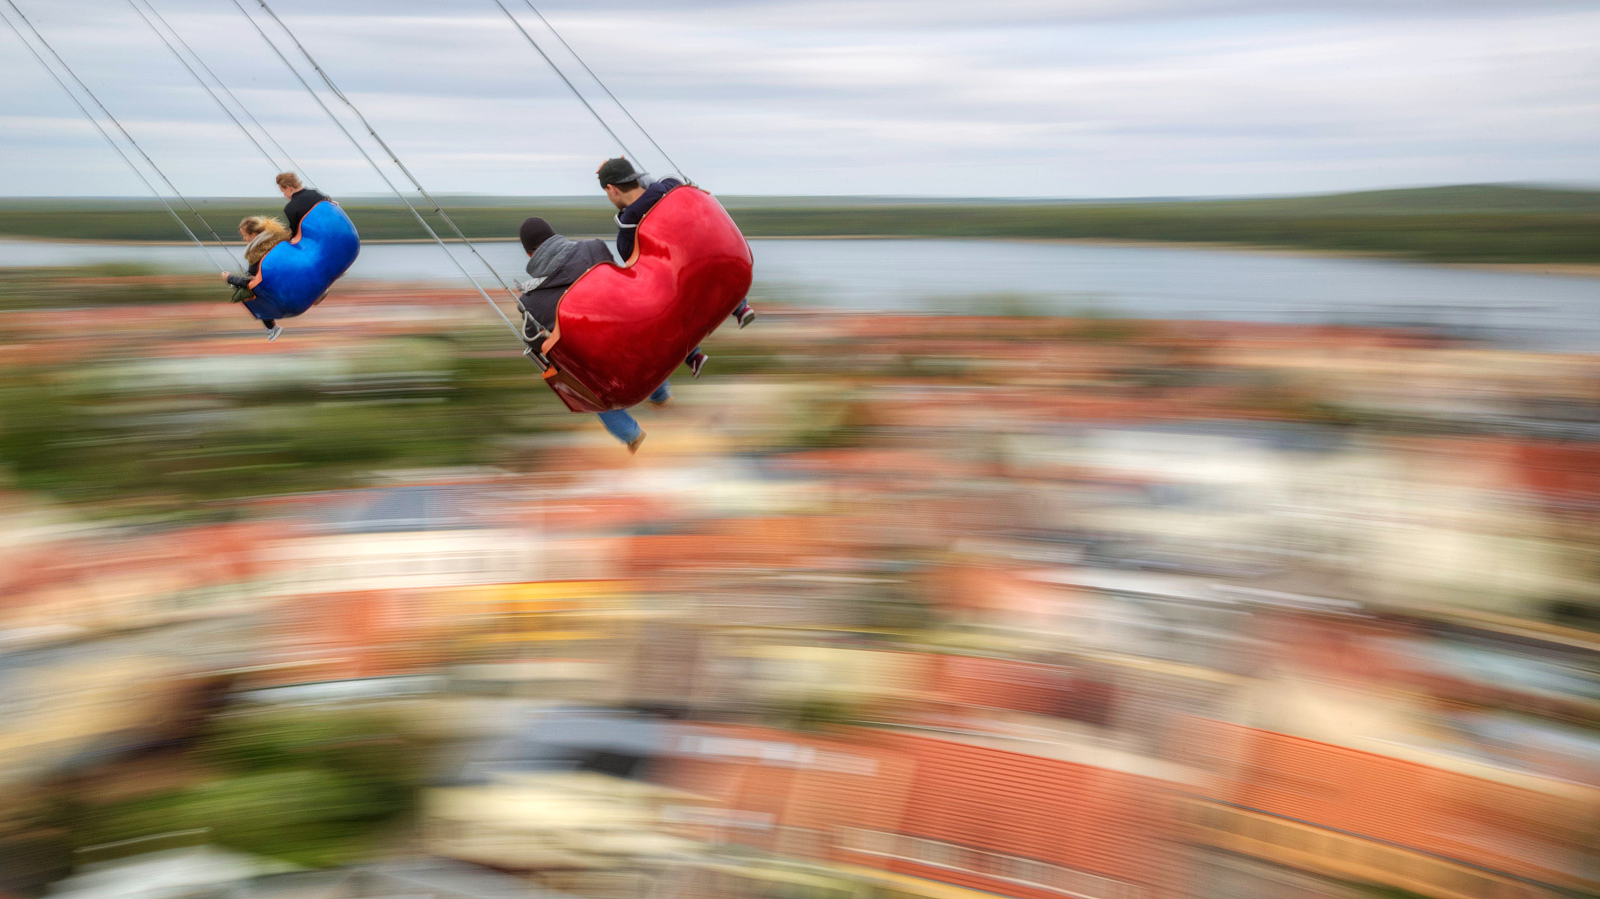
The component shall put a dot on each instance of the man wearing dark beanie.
(535, 231)
(554, 262)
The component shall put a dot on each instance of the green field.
(1473, 223)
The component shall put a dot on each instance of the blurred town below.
(887, 606)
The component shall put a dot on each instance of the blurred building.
(921, 606)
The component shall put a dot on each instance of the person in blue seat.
(260, 233)
(554, 263)
(301, 200)
(626, 189)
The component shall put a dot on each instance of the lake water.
(1545, 311)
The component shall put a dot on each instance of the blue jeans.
(622, 425)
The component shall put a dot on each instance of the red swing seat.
(624, 330)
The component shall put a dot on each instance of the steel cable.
(642, 129)
(292, 164)
(565, 80)
(103, 133)
(375, 167)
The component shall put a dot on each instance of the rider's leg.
(621, 425)
(696, 360)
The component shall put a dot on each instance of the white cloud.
(1148, 97)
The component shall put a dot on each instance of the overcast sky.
(970, 98)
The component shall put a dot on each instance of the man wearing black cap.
(626, 189)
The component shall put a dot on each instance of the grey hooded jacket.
(551, 270)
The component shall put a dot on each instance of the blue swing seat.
(295, 276)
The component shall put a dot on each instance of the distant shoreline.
(1539, 229)
(1556, 269)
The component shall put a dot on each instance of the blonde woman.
(260, 233)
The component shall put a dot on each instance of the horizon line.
(914, 198)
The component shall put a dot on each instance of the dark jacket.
(557, 263)
(300, 203)
(628, 218)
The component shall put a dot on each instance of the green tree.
(314, 787)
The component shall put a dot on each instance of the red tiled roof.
(1080, 817)
(1086, 819)
(1559, 469)
(1000, 684)
(1435, 810)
